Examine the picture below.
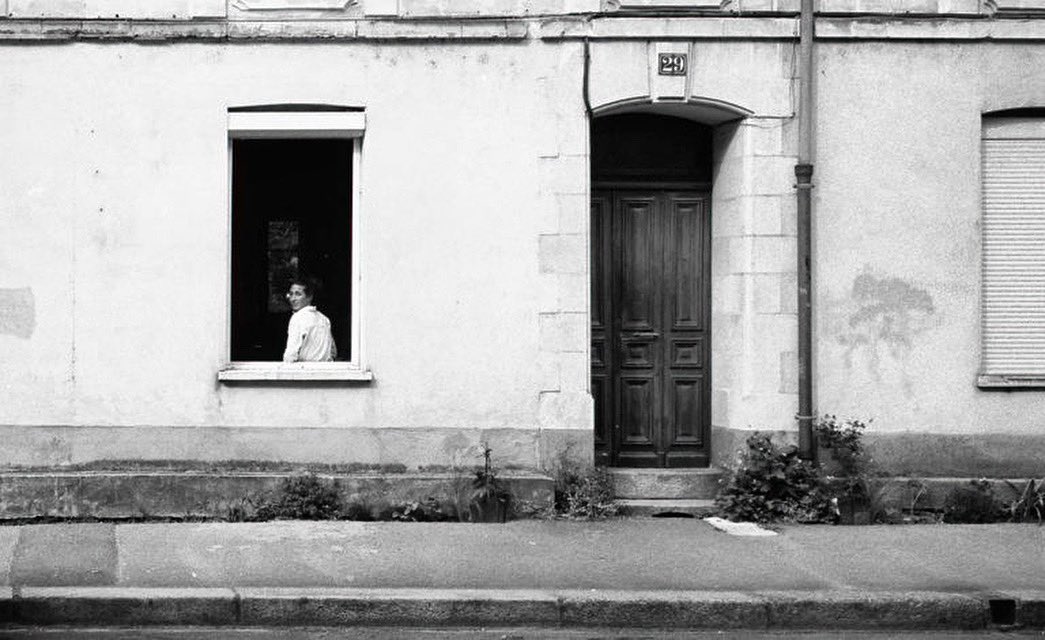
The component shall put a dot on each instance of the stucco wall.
(115, 224)
(897, 235)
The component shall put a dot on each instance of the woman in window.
(308, 334)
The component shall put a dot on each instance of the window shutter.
(1014, 247)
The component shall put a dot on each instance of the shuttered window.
(1013, 252)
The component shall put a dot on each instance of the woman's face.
(297, 297)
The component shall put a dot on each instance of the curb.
(550, 608)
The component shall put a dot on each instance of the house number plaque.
(671, 64)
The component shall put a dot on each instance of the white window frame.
(995, 371)
(283, 124)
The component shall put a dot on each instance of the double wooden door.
(650, 327)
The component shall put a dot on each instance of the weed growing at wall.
(1029, 504)
(771, 483)
(973, 503)
(582, 492)
(303, 497)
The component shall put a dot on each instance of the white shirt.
(309, 338)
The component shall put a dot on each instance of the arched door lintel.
(708, 111)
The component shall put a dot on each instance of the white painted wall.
(115, 214)
(897, 210)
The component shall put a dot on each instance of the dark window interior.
(291, 213)
(634, 147)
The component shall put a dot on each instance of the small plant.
(858, 498)
(1029, 503)
(428, 510)
(303, 497)
(582, 491)
(974, 503)
(843, 439)
(490, 494)
(585, 493)
(773, 484)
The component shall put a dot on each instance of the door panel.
(636, 259)
(650, 311)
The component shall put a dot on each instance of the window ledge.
(995, 381)
(293, 372)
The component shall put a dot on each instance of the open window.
(294, 212)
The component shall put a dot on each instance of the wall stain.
(884, 316)
(17, 312)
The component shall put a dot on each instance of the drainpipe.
(803, 187)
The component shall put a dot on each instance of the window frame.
(301, 122)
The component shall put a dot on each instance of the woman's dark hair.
(311, 285)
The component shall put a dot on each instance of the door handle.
(640, 335)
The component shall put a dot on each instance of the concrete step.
(666, 508)
(663, 484)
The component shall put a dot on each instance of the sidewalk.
(656, 572)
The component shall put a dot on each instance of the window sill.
(1011, 382)
(293, 372)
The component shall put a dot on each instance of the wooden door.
(650, 327)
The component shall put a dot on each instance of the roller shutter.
(1013, 248)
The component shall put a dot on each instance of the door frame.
(613, 322)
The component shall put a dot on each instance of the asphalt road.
(392, 633)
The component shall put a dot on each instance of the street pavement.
(669, 573)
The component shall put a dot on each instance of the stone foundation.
(415, 448)
(59, 494)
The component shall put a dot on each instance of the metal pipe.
(803, 187)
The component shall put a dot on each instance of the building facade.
(563, 227)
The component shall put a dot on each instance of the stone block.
(159, 10)
(563, 253)
(564, 332)
(547, 214)
(789, 293)
(548, 371)
(767, 292)
(563, 174)
(573, 293)
(619, 71)
(667, 87)
(548, 293)
(736, 255)
(766, 215)
(789, 214)
(774, 254)
(693, 484)
(731, 215)
(574, 211)
(547, 130)
(848, 610)
(46, 8)
(773, 333)
(728, 294)
(966, 7)
(565, 410)
(666, 609)
(719, 410)
(413, 607)
(772, 175)
(575, 371)
(108, 606)
(788, 372)
(767, 136)
(572, 127)
(576, 445)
